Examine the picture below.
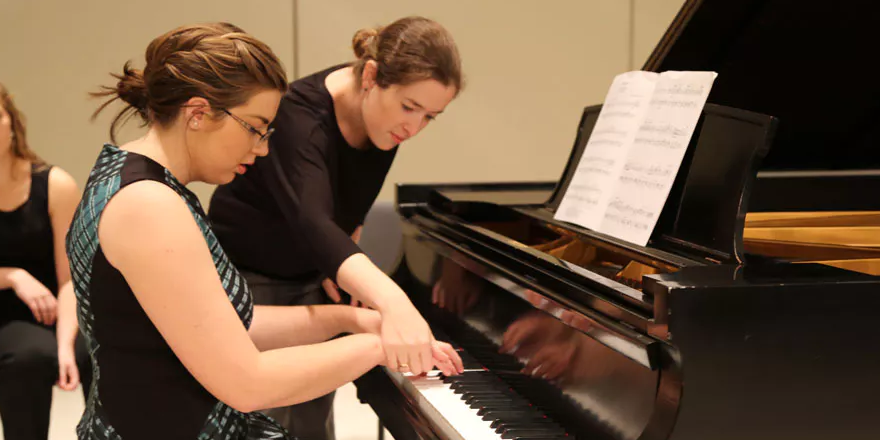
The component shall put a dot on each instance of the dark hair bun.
(132, 88)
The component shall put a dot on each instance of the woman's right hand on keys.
(406, 338)
(36, 296)
(444, 357)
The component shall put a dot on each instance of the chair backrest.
(382, 238)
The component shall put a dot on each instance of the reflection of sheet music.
(656, 154)
(607, 149)
(634, 152)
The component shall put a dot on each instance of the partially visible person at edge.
(292, 222)
(179, 349)
(39, 346)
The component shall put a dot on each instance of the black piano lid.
(808, 63)
(704, 215)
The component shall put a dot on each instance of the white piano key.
(451, 415)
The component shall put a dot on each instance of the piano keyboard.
(477, 405)
(483, 402)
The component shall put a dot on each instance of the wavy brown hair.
(20, 147)
(216, 61)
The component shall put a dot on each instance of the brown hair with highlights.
(216, 61)
(408, 50)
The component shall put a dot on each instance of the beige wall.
(53, 52)
(531, 67)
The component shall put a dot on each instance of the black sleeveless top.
(141, 390)
(27, 242)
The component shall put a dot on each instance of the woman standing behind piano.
(293, 221)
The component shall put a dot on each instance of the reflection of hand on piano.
(456, 289)
(553, 361)
(545, 342)
(575, 320)
(534, 327)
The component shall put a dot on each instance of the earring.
(195, 124)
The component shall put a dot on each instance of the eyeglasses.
(262, 136)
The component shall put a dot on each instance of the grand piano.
(752, 313)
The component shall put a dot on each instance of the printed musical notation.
(634, 153)
(607, 149)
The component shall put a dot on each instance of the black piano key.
(544, 437)
(488, 400)
(468, 380)
(475, 390)
(467, 392)
(497, 405)
(528, 424)
(471, 364)
(495, 414)
(524, 417)
(476, 394)
(514, 433)
(471, 376)
(475, 400)
(476, 386)
(486, 391)
(480, 387)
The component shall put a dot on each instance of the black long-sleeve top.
(291, 215)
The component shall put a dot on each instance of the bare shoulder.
(61, 179)
(64, 193)
(146, 219)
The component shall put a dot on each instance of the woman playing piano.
(178, 347)
(293, 221)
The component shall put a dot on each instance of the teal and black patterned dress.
(140, 389)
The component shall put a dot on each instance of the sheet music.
(607, 150)
(656, 154)
(634, 152)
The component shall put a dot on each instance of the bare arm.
(7, 277)
(360, 277)
(168, 265)
(286, 326)
(63, 198)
